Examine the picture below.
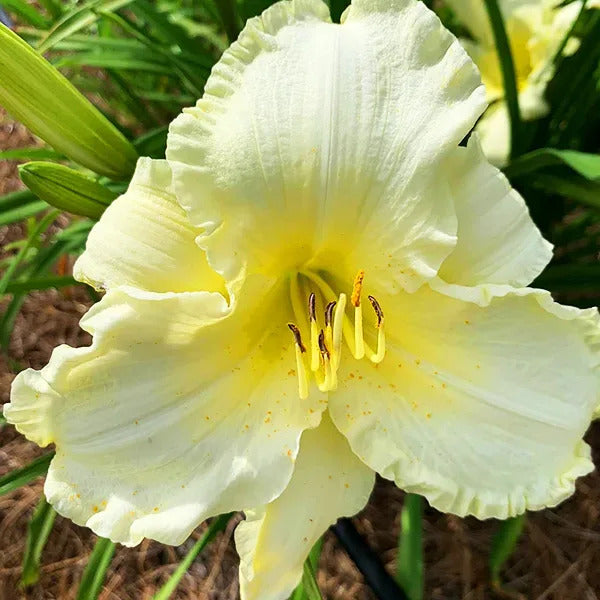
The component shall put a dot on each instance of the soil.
(557, 557)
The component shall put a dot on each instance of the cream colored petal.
(145, 240)
(319, 142)
(329, 482)
(494, 134)
(181, 409)
(497, 240)
(472, 14)
(482, 400)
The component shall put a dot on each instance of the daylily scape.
(318, 284)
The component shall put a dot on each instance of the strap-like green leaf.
(26, 12)
(66, 189)
(36, 94)
(410, 547)
(576, 188)
(80, 17)
(19, 477)
(38, 530)
(215, 527)
(30, 154)
(40, 283)
(587, 165)
(95, 570)
(508, 73)
(503, 545)
(308, 589)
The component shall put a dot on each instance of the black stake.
(377, 578)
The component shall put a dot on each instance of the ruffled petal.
(144, 240)
(494, 134)
(482, 400)
(497, 240)
(329, 482)
(181, 409)
(323, 139)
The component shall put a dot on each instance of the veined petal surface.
(182, 408)
(145, 240)
(317, 143)
(329, 482)
(497, 242)
(482, 400)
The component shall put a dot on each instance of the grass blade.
(503, 545)
(309, 585)
(576, 188)
(41, 283)
(20, 213)
(26, 12)
(30, 154)
(80, 17)
(19, 477)
(41, 227)
(95, 570)
(583, 163)
(215, 527)
(229, 17)
(38, 530)
(508, 74)
(410, 548)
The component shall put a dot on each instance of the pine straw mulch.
(557, 558)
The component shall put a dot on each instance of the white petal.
(497, 240)
(481, 403)
(329, 482)
(181, 409)
(145, 240)
(323, 139)
(494, 134)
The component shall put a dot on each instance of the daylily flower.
(536, 30)
(317, 285)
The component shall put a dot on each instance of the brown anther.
(312, 309)
(297, 336)
(357, 288)
(322, 345)
(377, 309)
(329, 312)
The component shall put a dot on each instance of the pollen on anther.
(377, 309)
(297, 336)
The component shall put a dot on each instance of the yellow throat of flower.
(322, 358)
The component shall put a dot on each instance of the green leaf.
(308, 588)
(78, 18)
(120, 61)
(20, 213)
(41, 227)
(26, 12)
(41, 283)
(38, 530)
(587, 165)
(508, 73)
(215, 527)
(95, 570)
(20, 477)
(570, 278)
(503, 545)
(30, 154)
(66, 189)
(36, 94)
(229, 17)
(410, 547)
(576, 188)
(153, 143)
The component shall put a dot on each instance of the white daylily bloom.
(535, 29)
(322, 165)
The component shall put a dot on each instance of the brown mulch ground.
(557, 557)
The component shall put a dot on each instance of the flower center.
(322, 357)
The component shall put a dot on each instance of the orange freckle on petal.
(246, 426)
(417, 362)
(428, 415)
(346, 485)
(78, 495)
(155, 509)
(292, 372)
(249, 404)
(136, 422)
(289, 453)
(330, 476)
(95, 509)
(360, 376)
(444, 385)
(207, 418)
(268, 420)
(311, 411)
(351, 375)
(467, 322)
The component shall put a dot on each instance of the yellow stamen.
(314, 334)
(378, 357)
(359, 340)
(300, 367)
(338, 324)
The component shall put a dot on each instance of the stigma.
(321, 358)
